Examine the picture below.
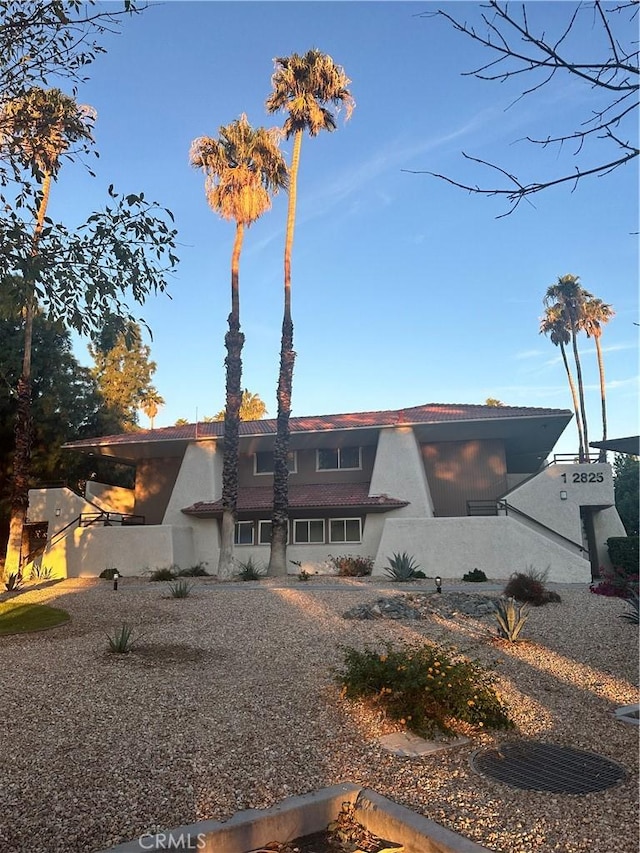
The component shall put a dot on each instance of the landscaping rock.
(423, 605)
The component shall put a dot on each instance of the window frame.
(297, 521)
(339, 451)
(236, 529)
(293, 457)
(346, 541)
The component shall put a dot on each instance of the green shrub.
(427, 688)
(632, 613)
(623, 551)
(197, 571)
(401, 568)
(348, 566)
(122, 641)
(107, 574)
(14, 582)
(529, 587)
(180, 589)
(475, 576)
(250, 571)
(511, 617)
(166, 574)
(304, 575)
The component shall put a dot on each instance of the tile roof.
(426, 414)
(308, 497)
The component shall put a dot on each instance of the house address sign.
(584, 477)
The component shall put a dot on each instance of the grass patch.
(17, 618)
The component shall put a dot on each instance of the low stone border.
(300, 816)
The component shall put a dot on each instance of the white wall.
(398, 471)
(497, 545)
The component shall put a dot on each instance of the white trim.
(338, 451)
(262, 521)
(293, 456)
(346, 541)
(236, 531)
(297, 521)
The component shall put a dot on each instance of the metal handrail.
(106, 519)
(514, 509)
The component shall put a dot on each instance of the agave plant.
(632, 613)
(402, 567)
(511, 616)
(180, 589)
(122, 640)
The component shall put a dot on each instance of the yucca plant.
(249, 571)
(402, 567)
(180, 589)
(14, 582)
(122, 640)
(511, 616)
(632, 613)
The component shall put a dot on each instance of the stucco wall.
(131, 550)
(498, 545)
(584, 485)
(155, 482)
(199, 479)
(398, 472)
(606, 524)
(110, 498)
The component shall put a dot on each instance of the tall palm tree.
(568, 294)
(242, 168)
(151, 404)
(554, 324)
(35, 131)
(597, 313)
(302, 87)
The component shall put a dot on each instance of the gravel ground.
(229, 703)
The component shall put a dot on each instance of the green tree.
(302, 87)
(493, 401)
(595, 315)
(252, 408)
(569, 298)
(123, 373)
(37, 129)
(243, 168)
(626, 470)
(554, 325)
(151, 404)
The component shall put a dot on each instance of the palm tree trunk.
(574, 342)
(280, 517)
(576, 405)
(602, 456)
(22, 453)
(234, 340)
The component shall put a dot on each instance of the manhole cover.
(547, 767)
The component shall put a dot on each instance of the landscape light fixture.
(438, 581)
(116, 575)
(563, 495)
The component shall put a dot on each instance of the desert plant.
(304, 575)
(197, 571)
(348, 566)
(122, 641)
(401, 567)
(475, 576)
(250, 571)
(168, 573)
(511, 616)
(14, 582)
(529, 586)
(107, 574)
(419, 575)
(615, 583)
(425, 687)
(180, 589)
(632, 613)
(42, 573)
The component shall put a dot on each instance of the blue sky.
(405, 290)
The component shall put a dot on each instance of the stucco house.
(457, 486)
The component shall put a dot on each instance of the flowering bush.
(348, 566)
(426, 688)
(615, 583)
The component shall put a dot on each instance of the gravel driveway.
(229, 704)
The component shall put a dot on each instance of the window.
(243, 533)
(308, 531)
(263, 462)
(345, 530)
(343, 458)
(264, 532)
